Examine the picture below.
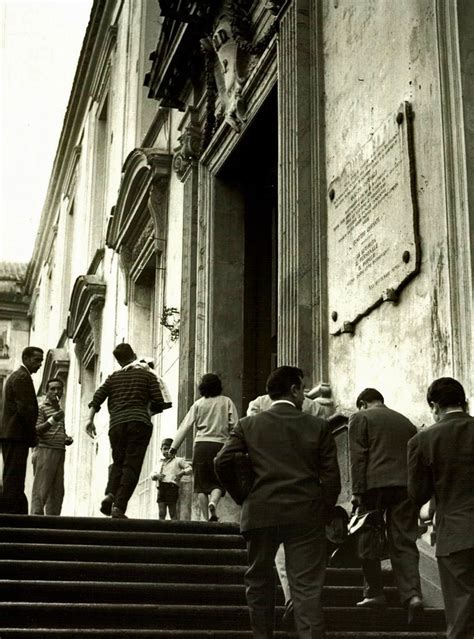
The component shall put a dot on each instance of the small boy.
(172, 469)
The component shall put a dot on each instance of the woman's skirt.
(205, 478)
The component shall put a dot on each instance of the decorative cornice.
(56, 364)
(143, 171)
(174, 59)
(88, 296)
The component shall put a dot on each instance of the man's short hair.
(210, 385)
(369, 395)
(446, 391)
(54, 379)
(166, 442)
(124, 353)
(30, 351)
(281, 380)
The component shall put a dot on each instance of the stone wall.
(378, 55)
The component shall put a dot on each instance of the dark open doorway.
(253, 171)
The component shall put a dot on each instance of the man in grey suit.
(297, 481)
(441, 465)
(378, 438)
(17, 430)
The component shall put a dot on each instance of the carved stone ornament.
(231, 68)
(274, 6)
(189, 142)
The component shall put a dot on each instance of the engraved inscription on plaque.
(372, 224)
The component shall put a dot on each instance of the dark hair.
(281, 380)
(210, 385)
(54, 379)
(30, 351)
(123, 353)
(446, 391)
(148, 362)
(166, 442)
(369, 395)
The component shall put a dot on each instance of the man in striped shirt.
(48, 456)
(133, 395)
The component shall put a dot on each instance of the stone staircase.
(91, 577)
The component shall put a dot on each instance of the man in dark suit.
(294, 458)
(441, 465)
(378, 438)
(17, 430)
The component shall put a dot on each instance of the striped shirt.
(55, 435)
(133, 395)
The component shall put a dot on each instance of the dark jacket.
(378, 440)
(294, 458)
(20, 409)
(441, 464)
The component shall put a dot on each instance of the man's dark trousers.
(456, 572)
(305, 552)
(401, 516)
(15, 455)
(129, 442)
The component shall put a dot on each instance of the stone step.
(132, 633)
(122, 525)
(162, 593)
(191, 617)
(51, 570)
(124, 554)
(119, 538)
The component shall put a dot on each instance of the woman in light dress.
(213, 415)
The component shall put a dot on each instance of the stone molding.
(295, 280)
(56, 364)
(257, 88)
(459, 219)
(101, 78)
(84, 323)
(70, 180)
(145, 179)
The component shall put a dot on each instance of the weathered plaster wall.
(376, 55)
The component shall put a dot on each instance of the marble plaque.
(373, 247)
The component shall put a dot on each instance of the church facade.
(241, 184)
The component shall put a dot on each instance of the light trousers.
(48, 484)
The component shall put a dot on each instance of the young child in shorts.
(168, 478)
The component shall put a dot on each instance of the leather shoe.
(415, 609)
(118, 514)
(106, 504)
(372, 602)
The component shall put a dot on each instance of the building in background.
(294, 185)
(14, 322)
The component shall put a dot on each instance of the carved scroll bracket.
(189, 143)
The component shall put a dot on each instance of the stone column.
(300, 336)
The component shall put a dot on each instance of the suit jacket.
(378, 440)
(20, 409)
(441, 464)
(294, 458)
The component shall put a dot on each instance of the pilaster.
(295, 247)
(456, 53)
